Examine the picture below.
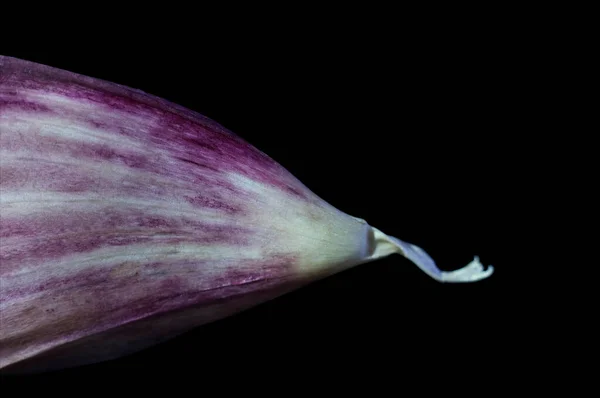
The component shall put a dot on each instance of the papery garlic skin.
(126, 220)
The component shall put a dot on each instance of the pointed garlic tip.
(385, 245)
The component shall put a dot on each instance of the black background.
(411, 127)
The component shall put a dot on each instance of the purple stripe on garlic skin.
(100, 119)
(174, 286)
(126, 220)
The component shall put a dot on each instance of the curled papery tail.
(384, 245)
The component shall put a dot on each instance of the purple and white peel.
(120, 210)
